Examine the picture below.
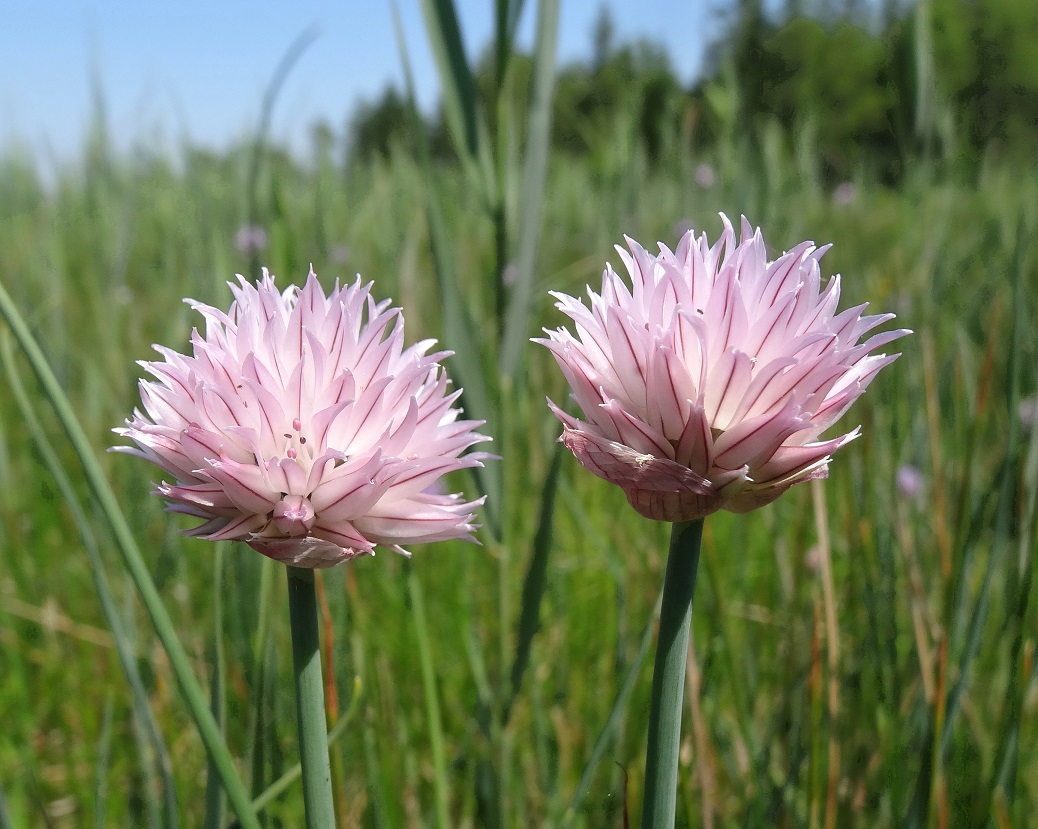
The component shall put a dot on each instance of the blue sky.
(196, 71)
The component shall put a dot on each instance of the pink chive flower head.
(708, 382)
(300, 424)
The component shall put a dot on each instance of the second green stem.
(668, 676)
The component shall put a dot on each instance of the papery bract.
(301, 424)
(707, 384)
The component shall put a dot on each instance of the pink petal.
(246, 486)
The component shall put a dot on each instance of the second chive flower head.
(708, 383)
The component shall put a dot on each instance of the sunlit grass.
(99, 264)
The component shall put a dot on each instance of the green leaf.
(190, 690)
(535, 171)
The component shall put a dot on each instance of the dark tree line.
(875, 86)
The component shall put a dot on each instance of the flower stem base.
(668, 677)
(310, 718)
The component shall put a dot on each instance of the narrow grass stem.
(432, 698)
(668, 676)
(5, 818)
(214, 795)
(134, 563)
(282, 784)
(313, 729)
(616, 713)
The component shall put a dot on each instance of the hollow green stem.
(668, 676)
(312, 727)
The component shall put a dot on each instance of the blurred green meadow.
(477, 680)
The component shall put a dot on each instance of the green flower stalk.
(668, 675)
(310, 719)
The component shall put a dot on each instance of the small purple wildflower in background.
(845, 194)
(301, 425)
(704, 175)
(708, 383)
(682, 227)
(339, 254)
(250, 240)
(910, 481)
(1026, 410)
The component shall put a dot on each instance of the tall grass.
(922, 709)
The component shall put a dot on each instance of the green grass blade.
(535, 171)
(1020, 573)
(456, 81)
(104, 752)
(151, 805)
(258, 690)
(507, 14)
(292, 55)
(381, 806)
(262, 723)
(282, 784)
(473, 647)
(1004, 508)
(502, 40)
(1003, 489)
(536, 579)
(153, 745)
(432, 698)
(459, 327)
(191, 692)
(214, 798)
(616, 713)
(512, 17)
(5, 817)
